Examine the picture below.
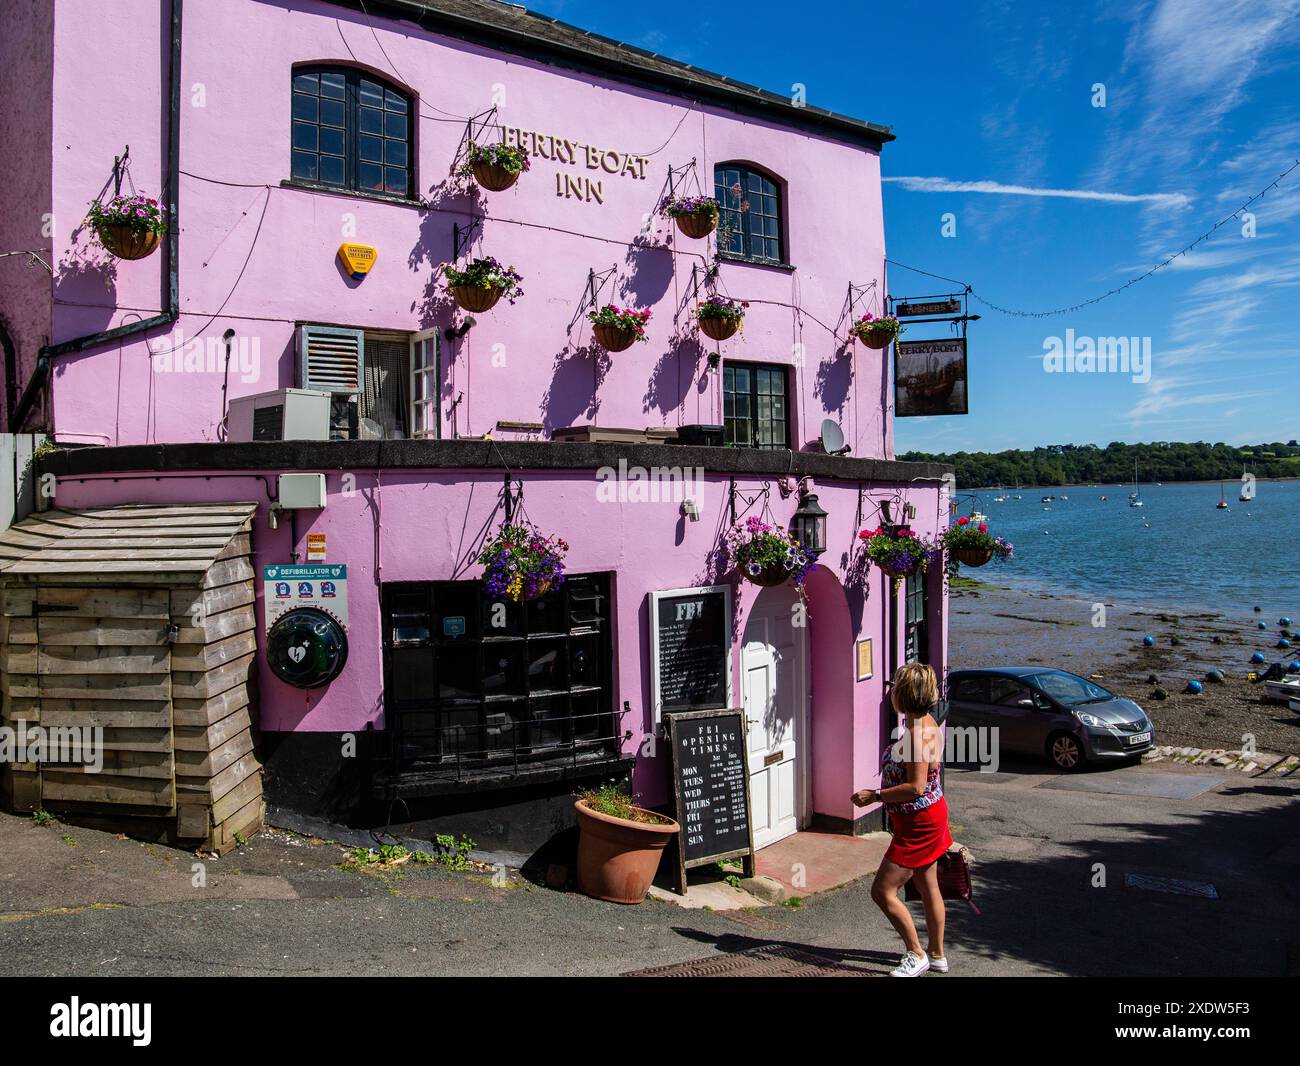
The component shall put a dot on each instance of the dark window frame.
(916, 612)
(352, 142)
(757, 375)
(739, 216)
(425, 736)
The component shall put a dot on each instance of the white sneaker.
(939, 965)
(911, 965)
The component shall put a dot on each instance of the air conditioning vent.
(268, 423)
(331, 359)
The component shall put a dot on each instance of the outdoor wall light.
(455, 334)
(715, 360)
(691, 509)
(808, 526)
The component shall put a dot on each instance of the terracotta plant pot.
(876, 338)
(698, 224)
(617, 860)
(128, 242)
(493, 177)
(973, 556)
(719, 328)
(476, 297)
(769, 576)
(612, 338)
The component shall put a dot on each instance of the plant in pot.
(720, 316)
(876, 332)
(766, 554)
(619, 845)
(618, 328)
(482, 283)
(899, 551)
(521, 564)
(696, 216)
(129, 227)
(973, 544)
(495, 166)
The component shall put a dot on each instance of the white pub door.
(774, 687)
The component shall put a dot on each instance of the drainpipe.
(171, 249)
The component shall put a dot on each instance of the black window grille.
(750, 221)
(474, 685)
(917, 644)
(351, 131)
(755, 407)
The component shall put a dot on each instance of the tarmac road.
(82, 902)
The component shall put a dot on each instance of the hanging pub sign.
(690, 649)
(710, 787)
(930, 377)
(917, 308)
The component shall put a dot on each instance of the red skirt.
(920, 837)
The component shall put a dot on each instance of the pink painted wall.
(429, 520)
(256, 257)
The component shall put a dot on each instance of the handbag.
(953, 871)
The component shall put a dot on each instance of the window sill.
(732, 257)
(352, 194)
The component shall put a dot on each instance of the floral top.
(893, 772)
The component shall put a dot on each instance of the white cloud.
(926, 184)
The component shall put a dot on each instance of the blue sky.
(1202, 111)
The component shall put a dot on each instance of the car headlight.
(1090, 720)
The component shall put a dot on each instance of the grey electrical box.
(299, 492)
(286, 414)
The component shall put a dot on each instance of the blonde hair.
(915, 689)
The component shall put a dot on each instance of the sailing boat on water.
(1222, 505)
(1135, 500)
(1244, 498)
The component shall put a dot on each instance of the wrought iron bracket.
(595, 286)
(461, 239)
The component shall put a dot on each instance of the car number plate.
(1139, 738)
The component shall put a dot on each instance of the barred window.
(755, 411)
(750, 222)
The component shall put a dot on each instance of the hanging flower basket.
(521, 564)
(482, 284)
(476, 297)
(876, 332)
(696, 216)
(495, 167)
(720, 317)
(618, 328)
(973, 545)
(898, 552)
(767, 555)
(129, 227)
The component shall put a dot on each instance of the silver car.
(1042, 711)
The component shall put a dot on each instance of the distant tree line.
(1086, 464)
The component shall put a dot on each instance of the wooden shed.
(138, 620)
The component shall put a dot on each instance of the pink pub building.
(291, 346)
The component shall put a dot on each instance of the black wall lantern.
(808, 526)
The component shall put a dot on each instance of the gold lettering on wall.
(584, 188)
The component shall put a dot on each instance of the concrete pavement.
(1050, 877)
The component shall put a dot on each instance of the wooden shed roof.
(157, 544)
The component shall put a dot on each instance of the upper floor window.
(755, 414)
(750, 222)
(351, 131)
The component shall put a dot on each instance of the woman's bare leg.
(884, 890)
(927, 881)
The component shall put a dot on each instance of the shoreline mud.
(996, 625)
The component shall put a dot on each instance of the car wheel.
(1065, 751)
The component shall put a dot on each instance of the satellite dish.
(833, 438)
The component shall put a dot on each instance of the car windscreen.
(1068, 688)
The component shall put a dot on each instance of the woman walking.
(918, 819)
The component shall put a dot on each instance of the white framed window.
(424, 385)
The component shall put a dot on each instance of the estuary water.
(1176, 551)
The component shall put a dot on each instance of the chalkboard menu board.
(710, 787)
(691, 649)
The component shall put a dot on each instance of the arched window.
(351, 131)
(750, 222)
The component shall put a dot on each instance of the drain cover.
(1175, 885)
(768, 960)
